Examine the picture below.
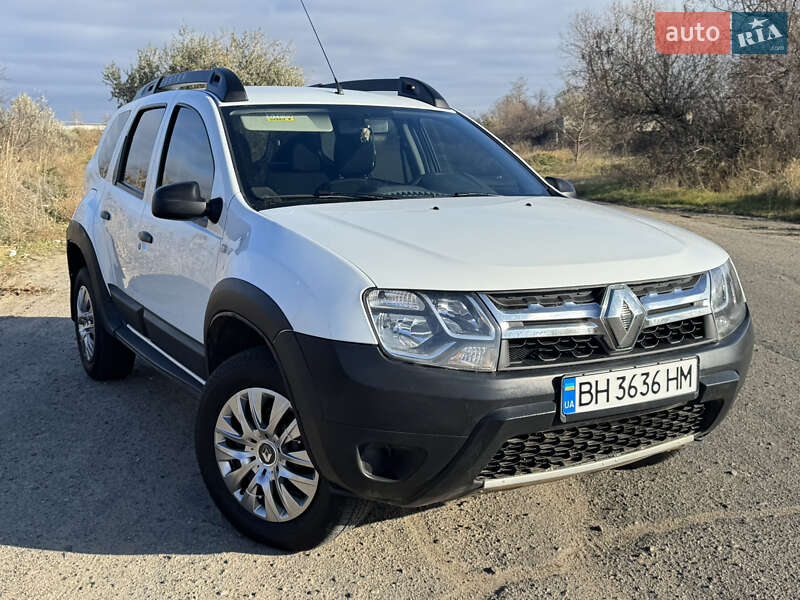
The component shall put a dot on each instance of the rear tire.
(103, 356)
(255, 463)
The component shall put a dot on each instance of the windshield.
(306, 155)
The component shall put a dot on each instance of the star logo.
(756, 23)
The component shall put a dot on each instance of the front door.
(176, 269)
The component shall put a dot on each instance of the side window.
(187, 156)
(109, 142)
(140, 148)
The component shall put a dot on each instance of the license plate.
(617, 389)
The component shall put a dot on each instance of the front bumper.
(411, 435)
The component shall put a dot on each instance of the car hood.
(498, 243)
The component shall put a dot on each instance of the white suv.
(376, 299)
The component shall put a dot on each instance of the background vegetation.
(42, 161)
(41, 171)
(705, 132)
(254, 58)
(628, 125)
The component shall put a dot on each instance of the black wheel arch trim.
(252, 305)
(236, 298)
(77, 236)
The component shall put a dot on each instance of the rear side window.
(106, 149)
(140, 148)
(188, 152)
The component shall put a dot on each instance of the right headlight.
(441, 329)
(727, 299)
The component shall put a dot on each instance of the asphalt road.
(100, 496)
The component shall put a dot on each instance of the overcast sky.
(469, 50)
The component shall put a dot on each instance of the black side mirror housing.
(563, 186)
(182, 201)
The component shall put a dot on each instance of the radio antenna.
(321, 47)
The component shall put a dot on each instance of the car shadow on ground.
(101, 467)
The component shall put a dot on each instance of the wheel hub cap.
(262, 457)
(267, 454)
(84, 313)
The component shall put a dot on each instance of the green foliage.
(254, 58)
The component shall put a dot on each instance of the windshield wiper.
(278, 200)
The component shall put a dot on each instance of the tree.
(519, 117)
(254, 58)
(669, 107)
(577, 119)
(765, 96)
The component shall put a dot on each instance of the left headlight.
(727, 299)
(441, 329)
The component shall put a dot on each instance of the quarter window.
(188, 153)
(109, 142)
(140, 148)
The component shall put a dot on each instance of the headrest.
(354, 153)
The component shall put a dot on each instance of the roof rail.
(404, 86)
(222, 83)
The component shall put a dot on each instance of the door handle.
(146, 237)
(105, 215)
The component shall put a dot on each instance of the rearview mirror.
(182, 201)
(563, 186)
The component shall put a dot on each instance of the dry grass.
(41, 173)
(626, 180)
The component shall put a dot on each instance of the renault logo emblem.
(623, 316)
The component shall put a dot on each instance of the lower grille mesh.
(531, 352)
(672, 334)
(537, 452)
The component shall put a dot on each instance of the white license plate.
(616, 389)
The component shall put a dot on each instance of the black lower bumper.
(411, 435)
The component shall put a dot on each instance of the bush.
(41, 170)
(254, 58)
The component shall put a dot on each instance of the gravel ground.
(101, 497)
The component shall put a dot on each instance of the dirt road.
(100, 496)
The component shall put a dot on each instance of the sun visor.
(288, 121)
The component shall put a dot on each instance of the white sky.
(469, 50)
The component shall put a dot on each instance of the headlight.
(441, 329)
(727, 299)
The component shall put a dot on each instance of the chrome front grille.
(550, 327)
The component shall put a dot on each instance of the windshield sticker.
(273, 118)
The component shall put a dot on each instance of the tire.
(103, 356)
(273, 457)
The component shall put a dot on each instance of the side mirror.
(563, 186)
(182, 201)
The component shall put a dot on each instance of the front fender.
(318, 292)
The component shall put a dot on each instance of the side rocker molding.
(110, 317)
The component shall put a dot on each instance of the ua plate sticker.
(568, 395)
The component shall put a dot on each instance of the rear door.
(106, 160)
(177, 268)
(122, 202)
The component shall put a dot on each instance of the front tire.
(102, 355)
(255, 462)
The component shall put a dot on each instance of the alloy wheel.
(85, 322)
(262, 457)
